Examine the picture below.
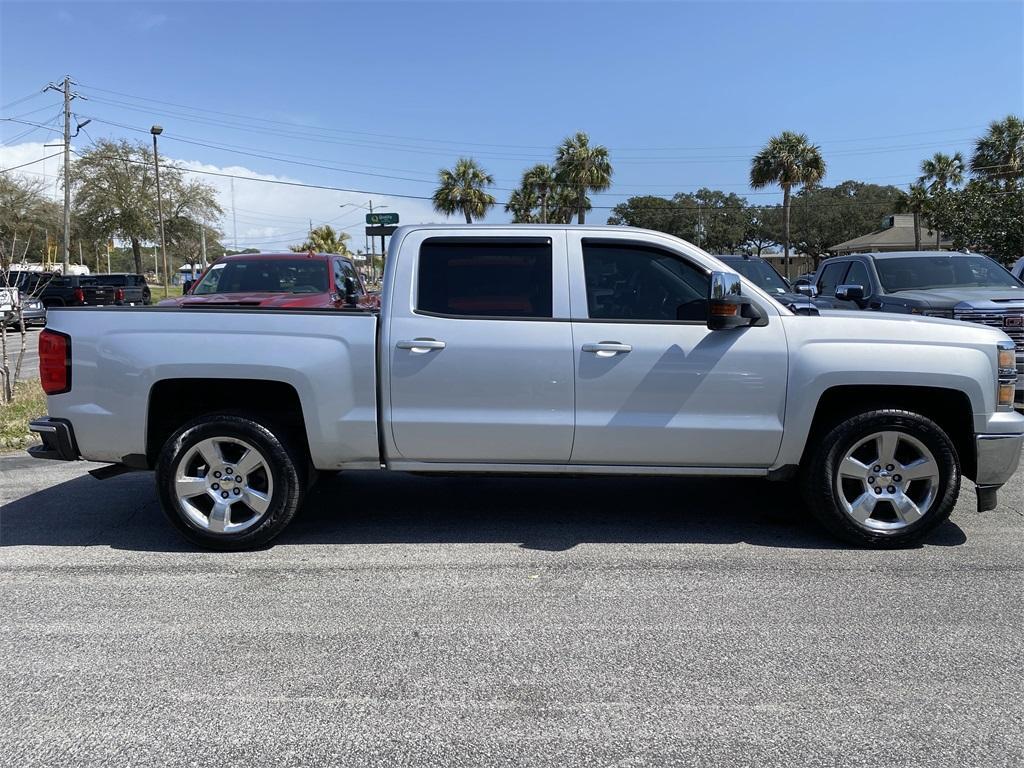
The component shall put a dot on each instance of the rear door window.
(472, 278)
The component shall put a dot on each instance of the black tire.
(283, 462)
(819, 482)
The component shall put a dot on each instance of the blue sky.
(682, 93)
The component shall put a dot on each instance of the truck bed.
(119, 354)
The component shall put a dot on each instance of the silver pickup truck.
(536, 349)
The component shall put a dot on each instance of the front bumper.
(58, 438)
(997, 460)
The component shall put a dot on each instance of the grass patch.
(29, 403)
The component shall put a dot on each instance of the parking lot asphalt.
(503, 622)
(30, 365)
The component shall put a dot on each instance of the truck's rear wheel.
(883, 479)
(229, 483)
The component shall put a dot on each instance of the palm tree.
(325, 240)
(520, 204)
(999, 154)
(916, 202)
(540, 180)
(583, 168)
(462, 189)
(788, 160)
(941, 172)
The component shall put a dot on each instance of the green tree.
(788, 160)
(582, 168)
(763, 228)
(463, 189)
(325, 239)
(983, 217)
(648, 212)
(521, 204)
(999, 154)
(540, 181)
(941, 172)
(826, 216)
(115, 197)
(917, 202)
(563, 205)
(26, 216)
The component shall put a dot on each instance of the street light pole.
(156, 130)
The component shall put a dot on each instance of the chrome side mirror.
(850, 293)
(727, 307)
(808, 290)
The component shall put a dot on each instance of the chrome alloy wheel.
(223, 485)
(887, 481)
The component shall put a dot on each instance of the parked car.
(33, 312)
(129, 289)
(762, 274)
(960, 286)
(281, 280)
(57, 290)
(536, 349)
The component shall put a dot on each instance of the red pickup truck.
(278, 280)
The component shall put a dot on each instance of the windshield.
(112, 279)
(761, 274)
(924, 272)
(264, 276)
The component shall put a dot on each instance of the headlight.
(1007, 374)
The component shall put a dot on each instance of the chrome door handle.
(607, 348)
(421, 346)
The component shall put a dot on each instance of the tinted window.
(831, 277)
(265, 276)
(473, 278)
(760, 273)
(629, 282)
(924, 272)
(117, 280)
(858, 275)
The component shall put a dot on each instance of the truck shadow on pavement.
(539, 513)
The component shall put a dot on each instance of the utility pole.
(156, 130)
(65, 88)
(202, 244)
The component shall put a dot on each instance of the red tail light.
(119, 294)
(79, 296)
(54, 362)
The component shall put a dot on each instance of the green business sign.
(382, 219)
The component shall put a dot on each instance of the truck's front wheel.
(228, 483)
(883, 479)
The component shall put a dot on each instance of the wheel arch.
(174, 402)
(949, 408)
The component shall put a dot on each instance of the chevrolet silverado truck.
(536, 349)
(959, 286)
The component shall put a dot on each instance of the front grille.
(996, 320)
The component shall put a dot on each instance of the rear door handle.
(421, 346)
(607, 348)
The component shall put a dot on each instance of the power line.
(292, 125)
(31, 162)
(23, 99)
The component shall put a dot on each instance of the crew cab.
(281, 280)
(959, 286)
(536, 349)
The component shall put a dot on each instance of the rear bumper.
(998, 457)
(58, 438)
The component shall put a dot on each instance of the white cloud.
(269, 216)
